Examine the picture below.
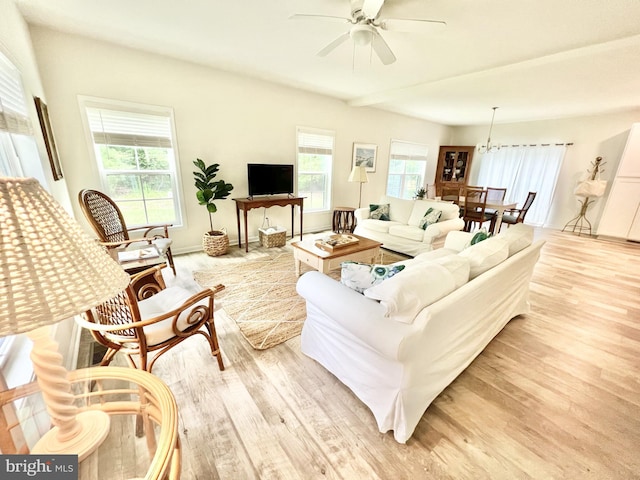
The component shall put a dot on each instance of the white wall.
(220, 117)
(594, 136)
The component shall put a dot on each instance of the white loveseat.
(399, 353)
(402, 232)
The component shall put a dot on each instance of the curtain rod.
(540, 144)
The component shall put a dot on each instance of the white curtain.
(524, 169)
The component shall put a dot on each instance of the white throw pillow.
(485, 255)
(407, 293)
(519, 236)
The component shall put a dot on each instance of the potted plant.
(214, 242)
(420, 193)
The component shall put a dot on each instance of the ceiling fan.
(365, 24)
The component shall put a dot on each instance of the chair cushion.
(162, 244)
(161, 303)
(377, 225)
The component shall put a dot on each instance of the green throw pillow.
(480, 236)
(361, 276)
(379, 212)
(430, 216)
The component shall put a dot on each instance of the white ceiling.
(535, 59)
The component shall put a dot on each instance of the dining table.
(500, 206)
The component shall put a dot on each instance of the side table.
(344, 220)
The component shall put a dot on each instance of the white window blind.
(110, 127)
(14, 115)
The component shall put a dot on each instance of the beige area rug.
(260, 296)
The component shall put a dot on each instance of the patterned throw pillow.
(480, 236)
(379, 212)
(430, 216)
(361, 276)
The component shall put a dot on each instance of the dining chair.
(475, 203)
(494, 195)
(107, 222)
(451, 194)
(516, 215)
(146, 329)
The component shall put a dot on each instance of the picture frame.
(49, 140)
(365, 154)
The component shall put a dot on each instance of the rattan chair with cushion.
(516, 215)
(107, 221)
(475, 203)
(145, 329)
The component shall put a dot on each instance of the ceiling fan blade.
(371, 8)
(310, 16)
(329, 48)
(412, 25)
(381, 48)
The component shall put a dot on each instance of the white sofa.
(402, 233)
(399, 353)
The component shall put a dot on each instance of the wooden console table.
(247, 204)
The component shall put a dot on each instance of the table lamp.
(359, 174)
(50, 271)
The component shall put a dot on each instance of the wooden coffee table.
(305, 251)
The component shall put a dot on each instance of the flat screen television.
(269, 179)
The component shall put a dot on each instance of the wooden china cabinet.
(454, 166)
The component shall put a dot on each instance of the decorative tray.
(335, 242)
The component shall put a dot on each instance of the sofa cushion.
(434, 254)
(519, 236)
(379, 211)
(399, 208)
(360, 276)
(377, 225)
(485, 255)
(431, 216)
(404, 295)
(460, 267)
(407, 231)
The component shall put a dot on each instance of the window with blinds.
(16, 132)
(407, 167)
(315, 163)
(135, 153)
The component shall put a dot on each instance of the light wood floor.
(555, 395)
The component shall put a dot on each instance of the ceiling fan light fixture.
(362, 34)
(490, 147)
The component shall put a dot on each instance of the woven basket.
(215, 242)
(272, 237)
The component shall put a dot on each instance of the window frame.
(173, 171)
(329, 174)
(415, 157)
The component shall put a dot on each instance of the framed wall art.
(49, 140)
(365, 154)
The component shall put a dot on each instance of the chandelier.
(489, 147)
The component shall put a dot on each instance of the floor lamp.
(359, 174)
(51, 271)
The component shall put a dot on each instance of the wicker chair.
(475, 203)
(107, 221)
(153, 325)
